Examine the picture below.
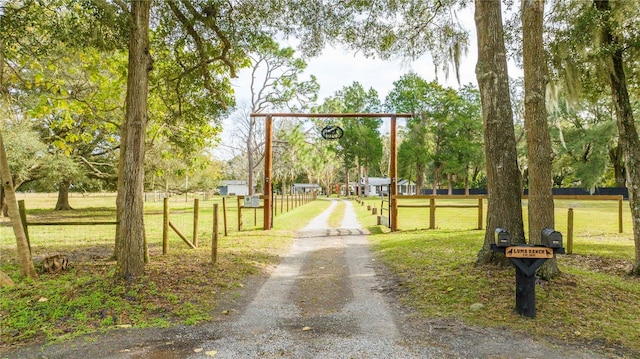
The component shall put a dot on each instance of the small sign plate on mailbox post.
(252, 201)
(528, 252)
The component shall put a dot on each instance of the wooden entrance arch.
(393, 149)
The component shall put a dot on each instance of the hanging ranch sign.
(332, 132)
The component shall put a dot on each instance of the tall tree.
(612, 43)
(468, 142)
(445, 131)
(409, 94)
(24, 255)
(540, 156)
(586, 145)
(275, 85)
(130, 212)
(503, 175)
(360, 146)
(592, 42)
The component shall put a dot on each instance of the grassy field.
(180, 287)
(594, 302)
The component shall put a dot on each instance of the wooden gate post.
(393, 173)
(268, 156)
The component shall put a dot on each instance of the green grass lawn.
(593, 301)
(180, 287)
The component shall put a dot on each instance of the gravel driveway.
(324, 300)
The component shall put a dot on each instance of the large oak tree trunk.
(63, 196)
(539, 154)
(24, 256)
(629, 140)
(503, 176)
(132, 235)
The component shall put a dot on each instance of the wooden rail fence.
(433, 205)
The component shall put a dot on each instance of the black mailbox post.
(527, 259)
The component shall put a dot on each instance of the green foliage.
(445, 131)
(26, 153)
(361, 143)
(276, 82)
(580, 90)
(56, 74)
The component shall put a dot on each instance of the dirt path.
(324, 300)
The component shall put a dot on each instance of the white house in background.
(233, 188)
(406, 187)
(377, 185)
(306, 187)
(380, 185)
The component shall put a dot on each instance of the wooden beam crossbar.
(393, 170)
(333, 115)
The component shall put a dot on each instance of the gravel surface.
(327, 299)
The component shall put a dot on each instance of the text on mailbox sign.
(528, 252)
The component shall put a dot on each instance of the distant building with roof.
(233, 188)
(306, 187)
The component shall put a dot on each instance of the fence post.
(239, 214)
(432, 213)
(620, 214)
(214, 236)
(480, 213)
(570, 231)
(224, 215)
(165, 226)
(23, 218)
(196, 216)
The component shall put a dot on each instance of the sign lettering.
(332, 132)
(528, 252)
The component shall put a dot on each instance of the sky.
(336, 68)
